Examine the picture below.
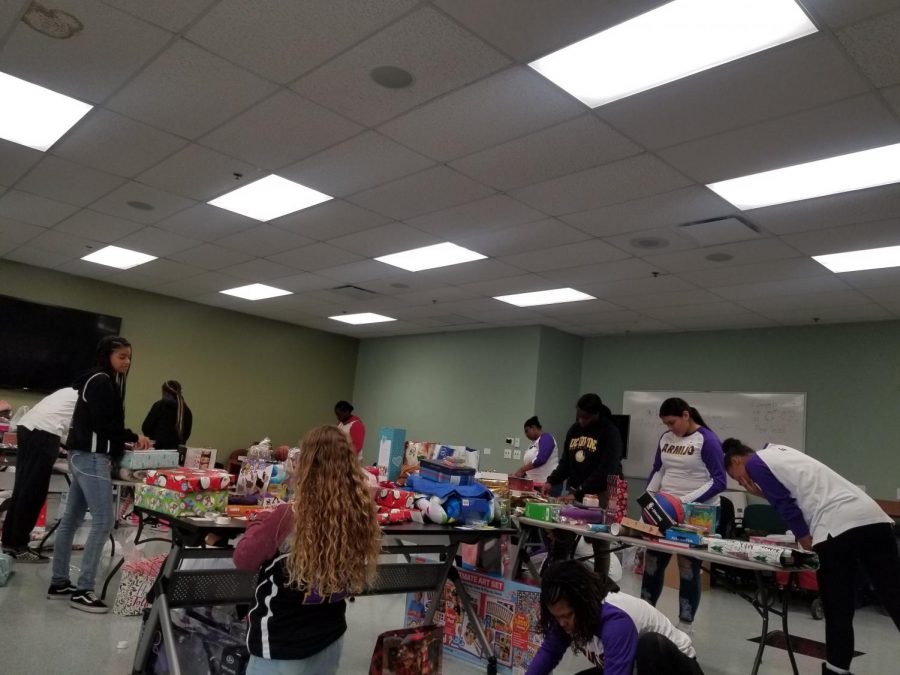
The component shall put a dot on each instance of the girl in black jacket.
(168, 424)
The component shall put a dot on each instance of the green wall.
(244, 377)
(849, 372)
(558, 381)
(470, 388)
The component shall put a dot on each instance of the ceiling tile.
(359, 272)
(527, 29)
(298, 283)
(10, 13)
(479, 217)
(201, 284)
(430, 190)
(614, 270)
(644, 285)
(525, 283)
(499, 108)
(679, 314)
(258, 271)
(593, 251)
(542, 234)
(15, 161)
(768, 289)
(68, 182)
(440, 55)
(68, 245)
(98, 226)
(263, 240)
(756, 251)
(200, 173)
(472, 272)
(845, 238)
(19, 232)
(390, 238)
(314, 257)
(858, 123)
(29, 208)
(773, 270)
(559, 150)
(210, 257)
(153, 241)
(116, 144)
(721, 322)
(91, 65)
(648, 242)
(364, 161)
(82, 268)
(888, 295)
(663, 210)
(267, 42)
(806, 301)
(432, 298)
(871, 279)
(164, 203)
(173, 15)
(620, 181)
(162, 271)
(330, 220)
(188, 91)
(793, 77)
(280, 130)
(839, 13)
(892, 96)
(206, 223)
(37, 257)
(674, 300)
(826, 315)
(873, 45)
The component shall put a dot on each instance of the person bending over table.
(310, 554)
(617, 632)
(688, 465)
(841, 523)
(591, 454)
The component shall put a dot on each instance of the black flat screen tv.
(43, 347)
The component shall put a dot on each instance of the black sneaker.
(63, 591)
(26, 555)
(86, 601)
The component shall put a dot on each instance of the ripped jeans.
(655, 564)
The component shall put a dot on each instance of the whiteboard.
(756, 418)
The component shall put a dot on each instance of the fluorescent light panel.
(854, 261)
(122, 258)
(269, 198)
(856, 171)
(666, 44)
(359, 319)
(256, 292)
(430, 257)
(550, 297)
(34, 116)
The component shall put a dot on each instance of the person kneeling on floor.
(617, 632)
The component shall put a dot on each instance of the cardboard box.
(549, 513)
(149, 459)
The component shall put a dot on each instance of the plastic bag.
(408, 651)
(208, 641)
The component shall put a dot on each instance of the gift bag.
(617, 499)
(408, 651)
(138, 576)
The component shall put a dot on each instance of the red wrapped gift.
(393, 515)
(189, 480)
(395, 499)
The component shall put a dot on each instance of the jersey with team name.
(690, 467)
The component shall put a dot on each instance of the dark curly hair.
(583, 589)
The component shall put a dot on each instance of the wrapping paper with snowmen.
(189, 480)
(178, 504)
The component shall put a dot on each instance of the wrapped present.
(386, 515)
(617, 499)
(189, 480)
(175, 503)
(149, 459)
(138, 577)
(395, 499)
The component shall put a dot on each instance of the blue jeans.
(655, 564)
(91, 489)
(324, 662)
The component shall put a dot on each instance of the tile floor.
(47, 636)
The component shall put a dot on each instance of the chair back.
(763, 519)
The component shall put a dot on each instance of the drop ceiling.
(479, 151)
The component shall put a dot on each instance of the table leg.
(785, 601)
(47, 535)
(521, 552)
(761, 604)
(145, 642)
(165, 625)
(474, 622)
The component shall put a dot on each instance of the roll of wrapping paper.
(575, 514)
(745, 550)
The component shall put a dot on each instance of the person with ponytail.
(311, 554)
(169, 422)
(97, 437)
(689, 465)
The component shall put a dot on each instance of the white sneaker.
(686, 627)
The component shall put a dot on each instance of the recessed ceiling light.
(391, 77)
(34, 116)
(122, 258)
(854, 261)
(364, 317)
(551, 297)
(429, 257)
(844, 173)
(256, 292)
(676, 40)
(269, 198)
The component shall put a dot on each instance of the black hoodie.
(98, 423)
(162, 420)
(589, 456)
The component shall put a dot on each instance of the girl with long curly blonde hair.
(311, 554)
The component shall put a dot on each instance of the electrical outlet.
(507, 453)
(517, 454)
(516, 442)
(487, 451)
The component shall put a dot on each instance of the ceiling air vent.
(355, 292)
(719, 230)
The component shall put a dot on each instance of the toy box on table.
(149, 459)
(189, 480)
(441, 472)
(178, 504)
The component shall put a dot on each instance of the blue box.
(391, 445)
